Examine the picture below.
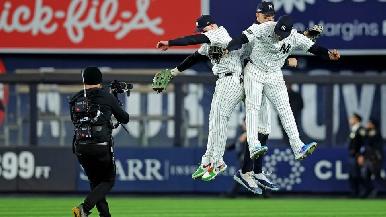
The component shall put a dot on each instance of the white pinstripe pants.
(272, 85)
(227, 94)
(264, 117)
(264, 126)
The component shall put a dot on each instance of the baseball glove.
(216, 53)
(314, 32)
(161, 80)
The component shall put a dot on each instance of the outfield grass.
(198, 207)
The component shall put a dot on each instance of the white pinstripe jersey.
(231, 62)
(268, 53)
(246, 51)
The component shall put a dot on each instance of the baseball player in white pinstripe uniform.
(251, 175)
(273, 42)
(229, 90)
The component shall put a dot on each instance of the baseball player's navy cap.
(266, 8)
(204, 21)
(284, 26)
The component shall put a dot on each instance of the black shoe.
(79, 211)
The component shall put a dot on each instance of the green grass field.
(197, 207)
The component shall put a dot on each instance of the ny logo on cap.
(283, 28)
(270, 6)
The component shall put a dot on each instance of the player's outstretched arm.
(184, 41)
(312, 33)
(306, 44)
(324, 52)
(162, 79)
(189, 62)
(254, 31)
(237, 43)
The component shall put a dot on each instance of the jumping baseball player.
(253, 168)
(229, 90)
(251, 175)
(273, 43)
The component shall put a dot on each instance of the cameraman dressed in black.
(93, 140)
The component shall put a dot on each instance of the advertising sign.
(86, 26)
(37, 169)
(356, 27)
(170, 170)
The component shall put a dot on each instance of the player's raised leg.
(232, 92)
(253, 92)
(264, 130)
(276, 92)
(207, 158)
(264, 126)
(254, 167)
(259, 175)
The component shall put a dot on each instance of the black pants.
(354, 177)
(98, 164)
(254, 165)
(359, 178)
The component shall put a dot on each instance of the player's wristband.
(175, 71)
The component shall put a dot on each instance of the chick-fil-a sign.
(93, 25)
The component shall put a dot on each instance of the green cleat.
(201, 170)
(213, 172)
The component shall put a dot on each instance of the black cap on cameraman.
(92, 75)
(266, 8)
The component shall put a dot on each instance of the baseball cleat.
(247, 182)
(262, 181)
(305, 151)
(256, 152)
(212, 172)
(79, 211)
(201, 170)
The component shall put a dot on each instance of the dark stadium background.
(168, 132)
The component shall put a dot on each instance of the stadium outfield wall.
(168, 170)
